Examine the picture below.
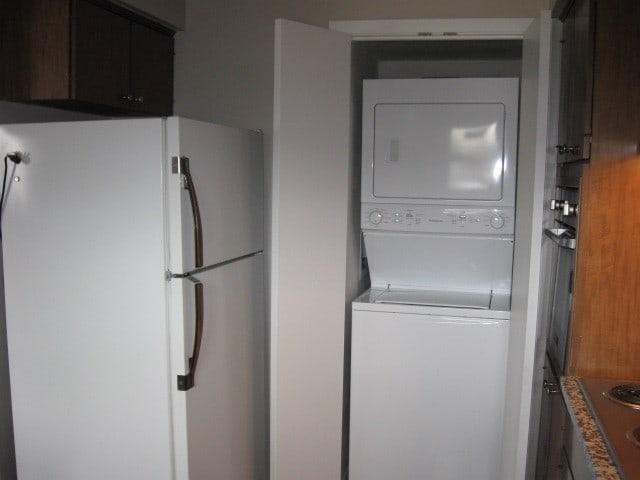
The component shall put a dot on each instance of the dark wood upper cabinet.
(87, 55)
(574, 126)
(151, 69)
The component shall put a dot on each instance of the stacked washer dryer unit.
(429, 339)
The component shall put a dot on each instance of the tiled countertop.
(596, 451)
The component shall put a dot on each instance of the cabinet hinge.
(177, 164)
(586, 146)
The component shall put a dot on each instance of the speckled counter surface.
(600, 462)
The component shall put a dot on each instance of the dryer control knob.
(375, 217)
(497, 222)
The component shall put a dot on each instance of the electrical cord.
(15, 157)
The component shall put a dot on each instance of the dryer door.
(449, 151)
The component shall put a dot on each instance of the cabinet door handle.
(571, 149)
(570, 209)
(550, 387)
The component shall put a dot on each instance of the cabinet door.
(581, 78)
(550, 464)
(576, 83)
(100, 66)
(35, 74)
(151, 70)
(565, 84)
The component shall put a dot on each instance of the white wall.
(22, 113)
(224, 73)
(224, 59)
(384, 9)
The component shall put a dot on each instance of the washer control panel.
(437, 218)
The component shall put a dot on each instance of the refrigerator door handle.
(185, 382)
(181, 165)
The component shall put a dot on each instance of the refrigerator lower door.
(220, 423)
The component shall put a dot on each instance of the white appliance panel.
(427, 396)
(85, 301)
(226, 167)
(97, 332)
(436, 219)
(451, 151)
(443, 141)
(225, 418)
(439, 261)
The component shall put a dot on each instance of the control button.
(462, 217)
(496, 222)
(375, 217)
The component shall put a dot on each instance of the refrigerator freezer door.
(85, 291)
(226, 166)
(220, 423)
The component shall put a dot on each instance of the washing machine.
(427, 387)
(429, 340)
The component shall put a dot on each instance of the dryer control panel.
(437, 219)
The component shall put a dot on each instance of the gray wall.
(22, 113)
(224, 59)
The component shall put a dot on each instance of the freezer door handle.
(181, 165)
(185, 382)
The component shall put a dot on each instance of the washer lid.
(478, 300)
(499, 308)
(439, 262)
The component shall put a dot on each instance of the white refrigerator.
(134, 300)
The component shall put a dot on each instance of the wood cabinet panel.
(84, 54)
(576, 81)
(151, 70)
(101, 56)
(605, 336)
(34, 49)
